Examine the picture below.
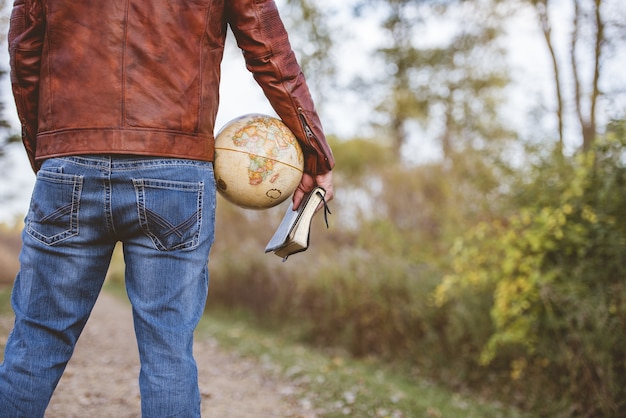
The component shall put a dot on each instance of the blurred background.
(478, 234)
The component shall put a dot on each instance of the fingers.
(306, 185)
(325, 181)
(308, 182)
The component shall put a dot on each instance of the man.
(117, 100)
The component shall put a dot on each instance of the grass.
(336, 385)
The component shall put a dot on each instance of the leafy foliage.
(552, 277)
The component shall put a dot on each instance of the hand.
(308, 182)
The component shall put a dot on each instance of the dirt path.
(101, 379)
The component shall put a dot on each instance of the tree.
(453, 85)
(314, 41)
(596, 28)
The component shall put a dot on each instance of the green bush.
(552, 277)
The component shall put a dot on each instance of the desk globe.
(258, 161)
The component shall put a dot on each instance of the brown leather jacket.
(142, 76)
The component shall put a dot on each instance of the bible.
(292, 234)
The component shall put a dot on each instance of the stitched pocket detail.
(53, 217)
(170, 212)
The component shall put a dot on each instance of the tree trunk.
(544, 20)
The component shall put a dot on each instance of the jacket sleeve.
(262, 37)
(25, 39)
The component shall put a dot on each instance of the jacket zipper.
(307, 129)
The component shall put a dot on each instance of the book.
(293, 232)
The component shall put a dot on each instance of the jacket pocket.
(170, 212)
(53, 215)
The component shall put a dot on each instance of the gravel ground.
(101, 378)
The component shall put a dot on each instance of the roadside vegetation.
(511, 290)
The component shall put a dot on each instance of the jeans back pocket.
(53, 213)
(170, 212)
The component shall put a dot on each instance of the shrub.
(555, 274)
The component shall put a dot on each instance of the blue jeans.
(163, 212)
